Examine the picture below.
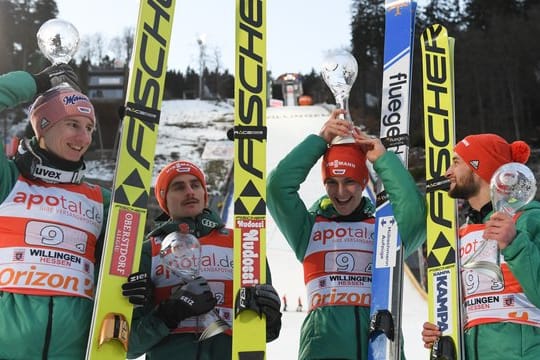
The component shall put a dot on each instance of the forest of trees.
(497, 64)
(497, 67)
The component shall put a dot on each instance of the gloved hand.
(268, 301)
(138, 288)
(54, 75)
(263, 299)
(192, 299)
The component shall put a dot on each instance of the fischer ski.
(249, 327)
(443, 273)
(132, 181)
(386, 298)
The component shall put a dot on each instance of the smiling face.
(344, 192)
(69, 138)
(185, 197)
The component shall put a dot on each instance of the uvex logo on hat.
(475, 164)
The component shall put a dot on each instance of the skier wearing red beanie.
(334, 238)
(510, 323)
(168, 322)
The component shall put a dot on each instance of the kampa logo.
(441, 284)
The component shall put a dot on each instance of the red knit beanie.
(485, 153)
(345, 160)
(169, 172)
(56, 104)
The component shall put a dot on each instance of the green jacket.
(503, 341)
(150, 335)
(338, 332)
(37, 327)
(16, 87)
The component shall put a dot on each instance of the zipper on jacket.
(46, 343)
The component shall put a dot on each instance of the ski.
(249, 329)
(386, 298)
(443, 273)
(132, 181)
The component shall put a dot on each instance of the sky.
(299, 32)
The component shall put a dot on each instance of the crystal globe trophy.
(181, 254)
(339, 70)
(512, 186)
(58, 40)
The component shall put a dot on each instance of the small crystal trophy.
(512, 186)
(181, 255)
(339, 70)
(58, 40)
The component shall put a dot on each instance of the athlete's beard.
(466, 189)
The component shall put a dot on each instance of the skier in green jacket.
(171, 309)
(51, 221)
(502, 318)
(334, 238)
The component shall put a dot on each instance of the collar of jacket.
(325, 208)
(477, 217)
(199, 226)
(36, 163)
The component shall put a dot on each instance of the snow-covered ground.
(189, 126)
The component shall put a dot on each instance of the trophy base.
(215, 328)
(343, 140)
